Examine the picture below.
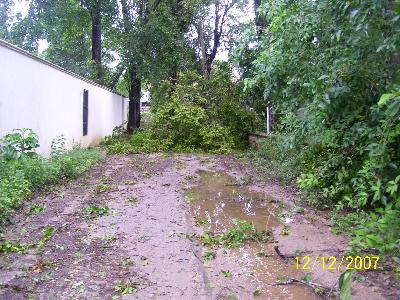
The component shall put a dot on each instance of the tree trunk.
(260, 24)
(203, 49)
(134, 100)
(96, 38)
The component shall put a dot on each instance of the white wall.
(38, 95)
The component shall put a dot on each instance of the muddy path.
(130, 228)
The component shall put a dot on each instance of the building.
(52, 101)
(145, 102)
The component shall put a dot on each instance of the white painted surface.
(38, 95)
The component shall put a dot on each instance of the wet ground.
(132, 228)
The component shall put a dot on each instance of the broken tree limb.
(294, 280)
(283, 256)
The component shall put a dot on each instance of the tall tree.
(5, 16)
(259, 21)
(215, 24)
(94, 8)
(151, 37)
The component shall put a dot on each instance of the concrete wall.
(48, 99)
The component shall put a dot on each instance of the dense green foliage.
(325, 64)
(22, 171)
(194, 114)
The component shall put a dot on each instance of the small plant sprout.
(226, 274)
(97, 211)
(37, 208)
(202, 221)
(132, 200)
(101, 188)
(126, 287)
(209, 255)
(285, 230)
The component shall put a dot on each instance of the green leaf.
(384, 98)
(345, 285)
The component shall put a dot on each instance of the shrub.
(18, 144)
(179, 127)
(237, 119)
(27, 172)
(216, 139)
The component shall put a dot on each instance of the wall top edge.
(54, 66)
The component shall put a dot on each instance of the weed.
(37, 208)
(202, 221)
(96, 210)
(360, 278)
(209, 255)
(19, 177)
(144, 238)
(130, 262)
(299, 251)
(126, 287)
(285, 230)
(226, 274)
(101, 188)
(10, 247)
(308, 277)
(281, 205)
(347, 223)
(132, 200)
(261, 253)
(23, 230)
(188, 197)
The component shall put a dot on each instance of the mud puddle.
(255, 266)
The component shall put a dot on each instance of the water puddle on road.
(220, 200)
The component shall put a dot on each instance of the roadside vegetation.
(23, 171)
(338, 138)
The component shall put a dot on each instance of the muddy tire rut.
(126, 230)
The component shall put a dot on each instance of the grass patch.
(19, 178)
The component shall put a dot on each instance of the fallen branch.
(294, 280)
(283, 256)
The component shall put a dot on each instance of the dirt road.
(128, 229)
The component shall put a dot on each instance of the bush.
(179, 127)
(179, 124)
(18, 144)
(20, 176)
(216, 139)
(237, 119)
